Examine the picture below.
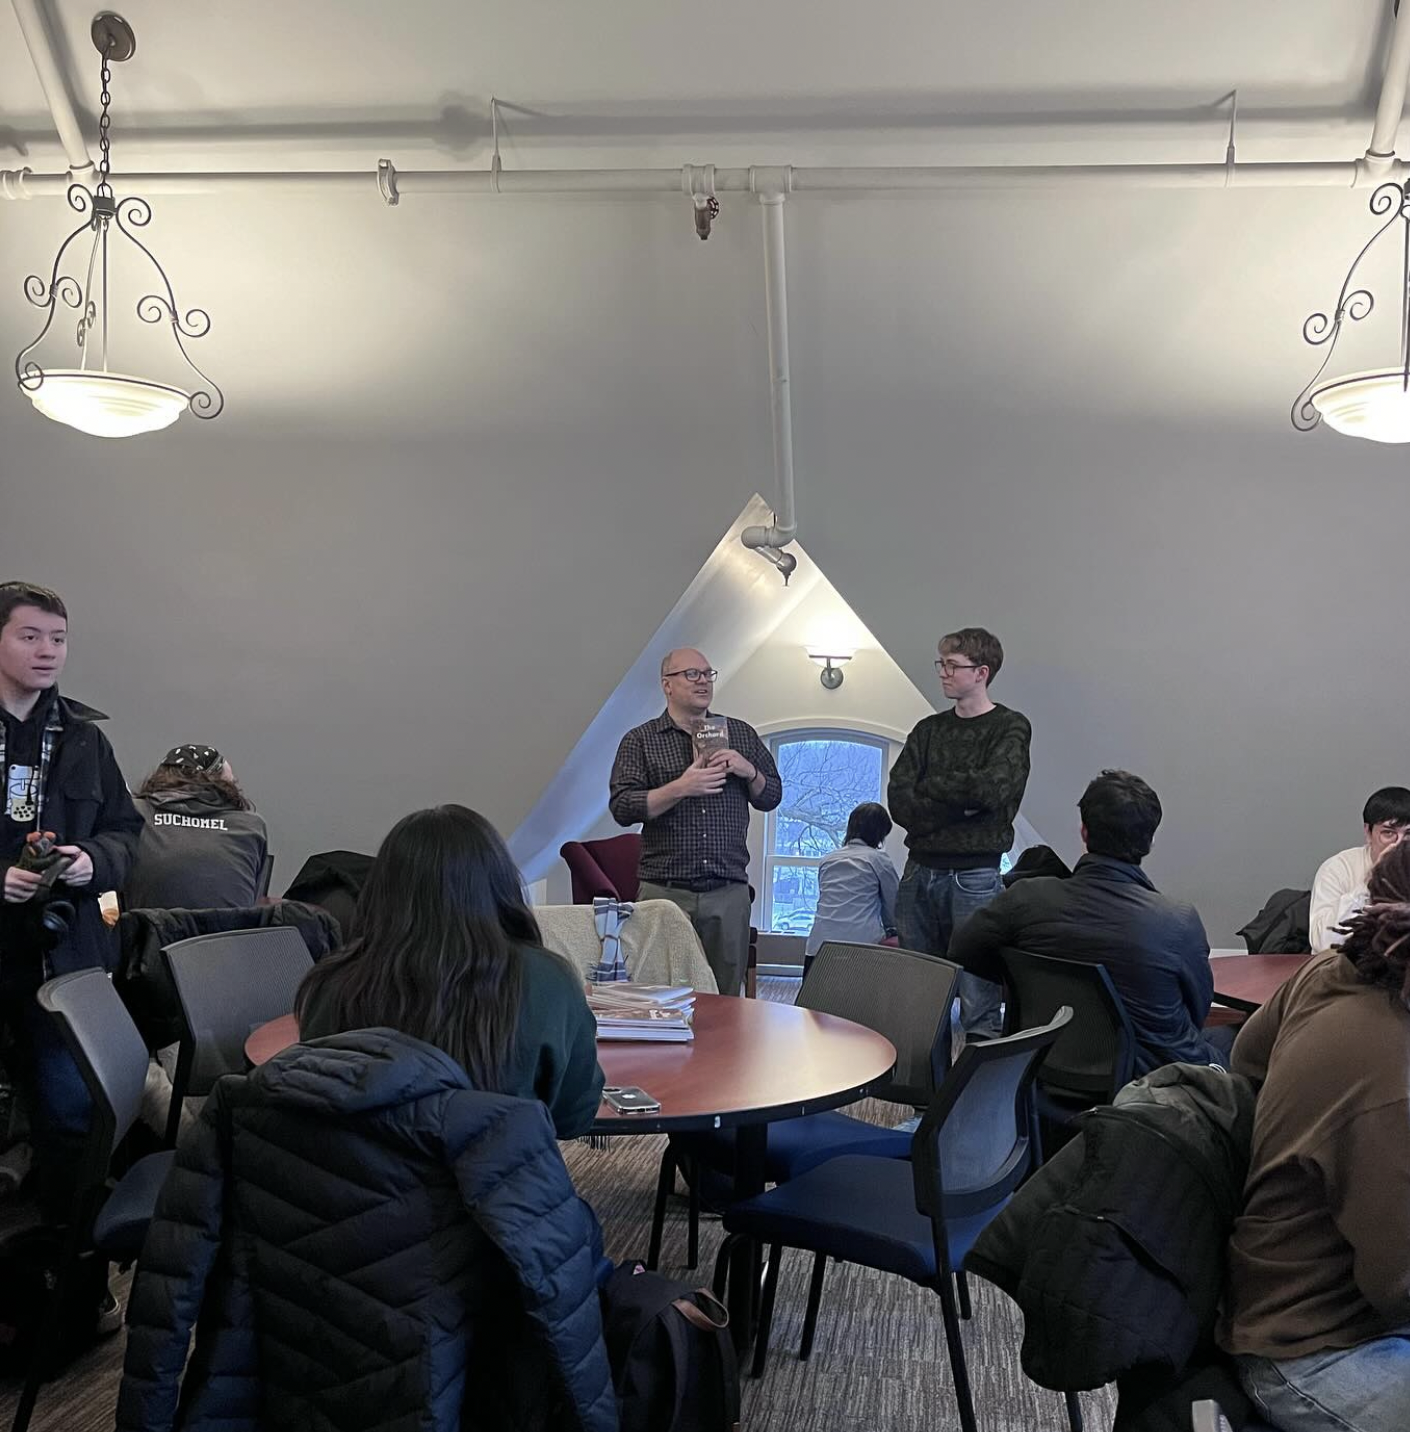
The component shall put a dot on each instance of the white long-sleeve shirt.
(857, 887)
(1338, 892)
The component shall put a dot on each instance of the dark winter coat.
(1283, 926)
(1114, 1250)
(1108, 913)
(143, 980)
(364, 1242)
(86, 803)
(332, 880)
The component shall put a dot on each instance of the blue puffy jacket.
(362, 1241)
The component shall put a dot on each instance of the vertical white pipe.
(56, 95)
(1391, 105)
(785, 524)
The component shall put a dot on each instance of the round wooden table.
(1249, 981)
(751, 1062)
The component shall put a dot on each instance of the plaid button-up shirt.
(701, 838)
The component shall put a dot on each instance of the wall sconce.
(831, 663)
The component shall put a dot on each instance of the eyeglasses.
(694, 673)
(948, 667)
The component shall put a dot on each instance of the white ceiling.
(1063, 415)
(329, 313)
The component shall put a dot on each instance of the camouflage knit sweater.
(956, 787)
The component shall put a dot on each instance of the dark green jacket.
(554, 1058)
(956, 787)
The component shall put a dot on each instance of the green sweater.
(554, 1056)
(956, 787)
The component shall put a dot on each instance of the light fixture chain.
(104, 125)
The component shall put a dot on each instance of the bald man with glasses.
(694, 811)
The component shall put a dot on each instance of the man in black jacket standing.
(1154, 948)
(60, 776)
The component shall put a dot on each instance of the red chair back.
(603, 867)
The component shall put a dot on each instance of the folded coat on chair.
(142, 979)
(658, 943)
(1114, 1250)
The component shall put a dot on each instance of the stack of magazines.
(661, 1013)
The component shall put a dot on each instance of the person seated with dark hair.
(1339, 890)
(443, 948)
(857, 884)
(1109, 913)
(1317, 1299)
(203, 846)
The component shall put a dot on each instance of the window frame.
(775, 740)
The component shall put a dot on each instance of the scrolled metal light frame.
(103, 213)
(1355, 304)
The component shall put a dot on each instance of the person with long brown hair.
(1317, 1306)
(444, 948)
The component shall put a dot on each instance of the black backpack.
(30, 1255)
(673, 1361)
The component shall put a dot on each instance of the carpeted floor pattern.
(878, 1362)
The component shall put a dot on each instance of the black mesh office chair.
(1095, 1055)
(112, 1058)
(902, 994)
(226, 984)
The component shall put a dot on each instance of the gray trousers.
(721, 919)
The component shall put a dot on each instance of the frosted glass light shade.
(1367, 405)
(107, 405)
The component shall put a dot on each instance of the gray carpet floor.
(879, 1360)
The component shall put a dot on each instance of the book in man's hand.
(711, 734)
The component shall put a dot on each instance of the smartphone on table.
(631, 1100)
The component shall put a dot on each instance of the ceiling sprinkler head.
(707, 209)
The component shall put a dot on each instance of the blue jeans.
(930, 906)
(59, 1104)
(1359, 1389)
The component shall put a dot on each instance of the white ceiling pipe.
(23, 184)
(1391, 104)
(51, 81)
(1336, 174)
(771, 540)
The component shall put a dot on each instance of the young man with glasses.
(694, 811)
(955, 789)
(1339, 890)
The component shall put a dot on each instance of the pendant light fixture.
(1374, 403)
(90, 395)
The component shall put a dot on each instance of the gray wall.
(1065, 419)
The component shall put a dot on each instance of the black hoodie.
(197, 852)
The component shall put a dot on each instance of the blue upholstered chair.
(899, 993)
(917, 1218)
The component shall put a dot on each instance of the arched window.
(825, 774)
